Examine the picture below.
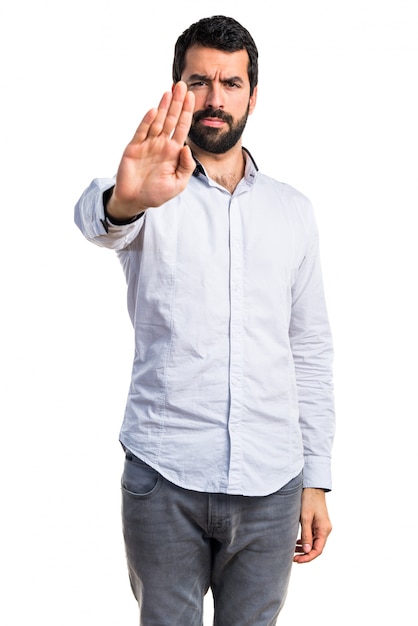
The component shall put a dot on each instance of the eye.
(197, 83)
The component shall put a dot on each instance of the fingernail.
(306, 547)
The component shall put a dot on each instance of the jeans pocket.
(139, 479)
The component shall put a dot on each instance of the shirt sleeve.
(312, 349)
(90, 217)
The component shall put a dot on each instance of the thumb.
(186, 163)
(306, 540)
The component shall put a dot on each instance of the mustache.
(218, 113)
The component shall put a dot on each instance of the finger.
(165, 118)
(319, 544)
(158, 123)
(299, 549)
(142, 130)
(306, 539)
(302, 548)
(301, 556)
(181, 107)
(169, 111)
(185, 119)
(186, 164)
(306, 558)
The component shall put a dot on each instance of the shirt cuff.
(317, 473)
(111, 220)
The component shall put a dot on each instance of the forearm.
(312, 351)
(120, 213)
(317, 424)
(90, 217)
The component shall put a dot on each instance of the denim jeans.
(180, 543)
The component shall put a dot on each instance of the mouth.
(212, 118)
(212, 122)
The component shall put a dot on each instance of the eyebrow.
(231, 79)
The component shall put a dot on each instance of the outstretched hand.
(156, 165)
(315, 526)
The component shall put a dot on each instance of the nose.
(214, 98)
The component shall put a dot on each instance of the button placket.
(236, 347)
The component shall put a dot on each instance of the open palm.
(156, 165)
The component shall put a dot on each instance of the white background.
(336, 118)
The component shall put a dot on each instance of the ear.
(253, 100)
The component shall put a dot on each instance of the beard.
(216, 140)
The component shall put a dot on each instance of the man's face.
(219, 81)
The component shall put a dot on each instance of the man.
(229, 420)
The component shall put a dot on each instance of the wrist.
(113, 211)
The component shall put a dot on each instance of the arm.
(90, 217)
(312, 350)
(155, 167)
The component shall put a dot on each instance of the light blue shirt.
(231, 386)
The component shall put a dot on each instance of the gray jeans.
(179, 543)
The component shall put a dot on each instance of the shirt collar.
(250, 166)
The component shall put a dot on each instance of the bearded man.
(229, 420)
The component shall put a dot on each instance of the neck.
(226, 169)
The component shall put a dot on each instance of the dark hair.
(222, 33)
